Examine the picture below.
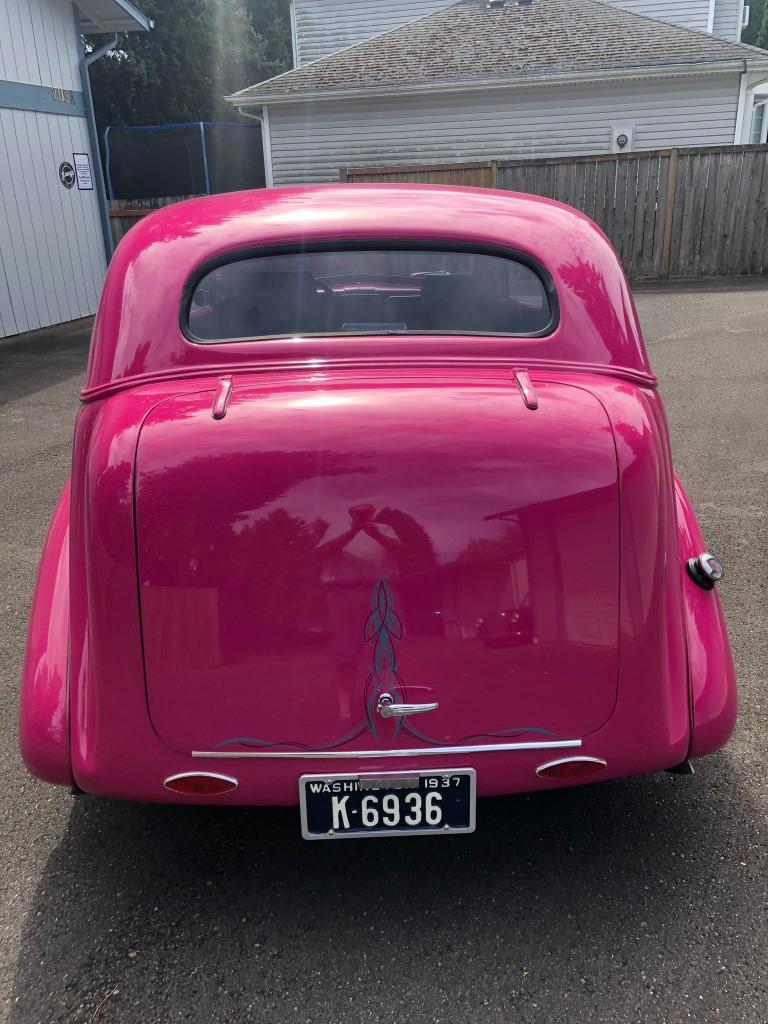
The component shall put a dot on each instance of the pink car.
(376, 550)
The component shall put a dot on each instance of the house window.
(759, 130)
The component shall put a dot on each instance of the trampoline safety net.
(183, 159)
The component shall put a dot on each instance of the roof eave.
(107, 16)
(496, 82)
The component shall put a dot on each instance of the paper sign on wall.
(82, 164)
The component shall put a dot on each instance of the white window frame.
(759, 101)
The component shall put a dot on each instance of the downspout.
(266, 142)
(711, 17)
(741, 107)
(85, 80)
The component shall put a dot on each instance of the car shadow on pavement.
(149, 913)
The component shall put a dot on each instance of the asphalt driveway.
(632, 901)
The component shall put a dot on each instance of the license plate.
(437, 803)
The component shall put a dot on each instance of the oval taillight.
(571, 768)
(200, 784)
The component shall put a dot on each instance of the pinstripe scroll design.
(382, 627)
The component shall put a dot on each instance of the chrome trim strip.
(336, 755)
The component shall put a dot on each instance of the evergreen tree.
(198, 52)
(762, 35)
(756, 32)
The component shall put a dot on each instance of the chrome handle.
(388, 709)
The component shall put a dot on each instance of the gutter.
(134, 20)
(739, 66)
(145, 23)
(98, 174)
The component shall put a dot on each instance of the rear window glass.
(355, 292)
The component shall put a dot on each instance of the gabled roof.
(471, 42)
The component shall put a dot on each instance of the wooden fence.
(479, 175)
(124, 213)
(668, 213)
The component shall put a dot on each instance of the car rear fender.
(711, 675)
(44, 710)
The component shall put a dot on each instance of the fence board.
(646, 247)
(706, 184)
(690, 222)
(601, 191)
(757, 260)
(715, 214)
(589, 189)
(754, 179)
(639, 219)
(480, 174)
(625, 227)
(655, 254)
(732, 220)
(615, 210)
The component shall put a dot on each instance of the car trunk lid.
(326, 543)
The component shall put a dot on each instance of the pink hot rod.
(372, 511)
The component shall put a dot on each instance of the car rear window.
(353, 292)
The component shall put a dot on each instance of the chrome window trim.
(336, 755)
(370, 244)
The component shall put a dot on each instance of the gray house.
(387, 82)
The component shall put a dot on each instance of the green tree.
(198, 52)
(756, 32)
(762, 35)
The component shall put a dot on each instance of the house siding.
(52, 259)
(311, 142)
(728, 19)
(688, 13)
(37, 43)
(324, 26)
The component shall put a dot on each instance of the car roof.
(137, 333)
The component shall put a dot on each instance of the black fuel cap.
(705, 570)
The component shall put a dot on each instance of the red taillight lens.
(571, 768)
(200, 784)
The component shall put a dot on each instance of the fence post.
(205, 159)
(494, 174)
(669, 209)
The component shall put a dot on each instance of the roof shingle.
(471, 42)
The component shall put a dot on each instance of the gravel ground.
(632, 901)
